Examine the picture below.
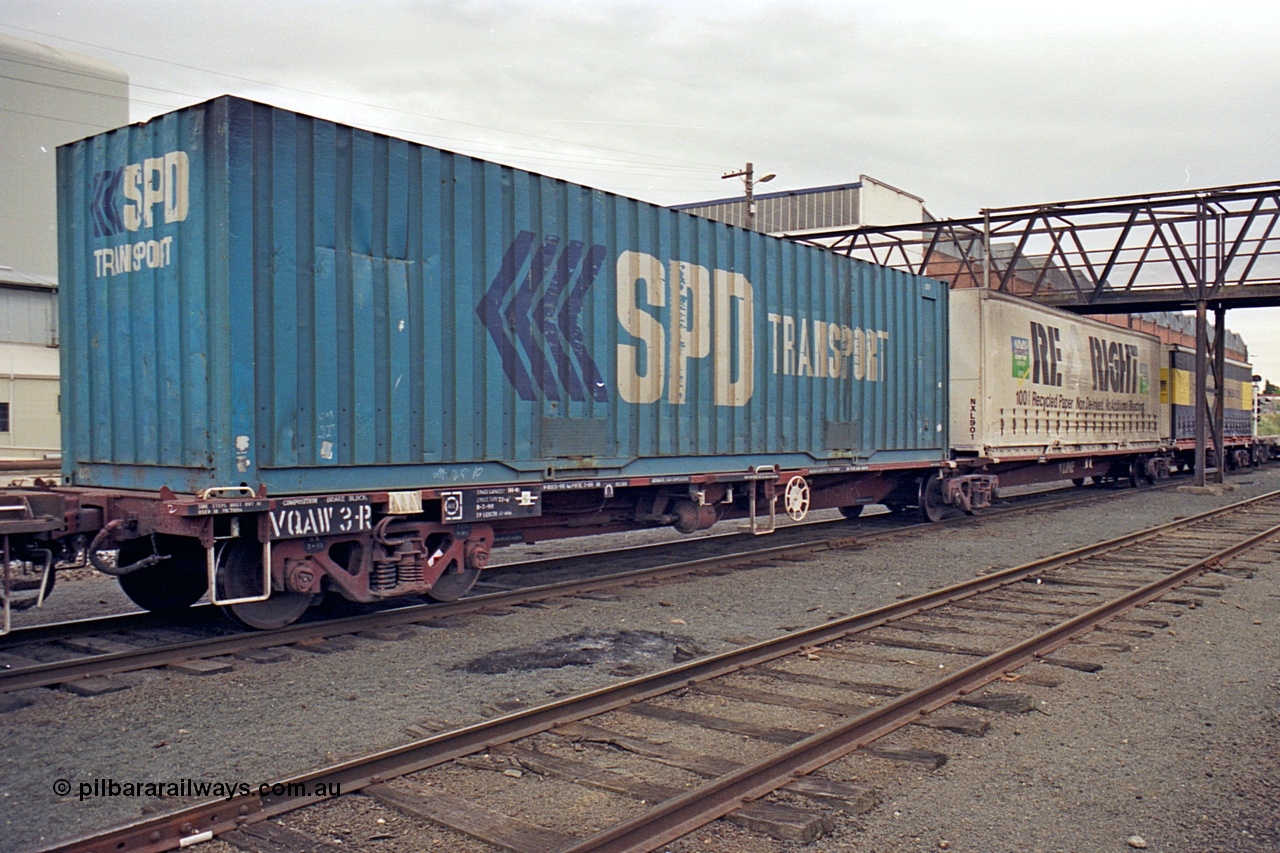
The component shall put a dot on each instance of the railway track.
(106, 646)
(765, 731)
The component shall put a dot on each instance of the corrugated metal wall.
(28, 316)
(829, 207)
(343, 310)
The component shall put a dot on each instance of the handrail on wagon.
(212, 566)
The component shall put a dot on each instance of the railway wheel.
(852, 512)
(931, 504)
(172, 584)
(451, 586)
(1138, 476)
(240, 576)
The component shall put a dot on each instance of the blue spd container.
(254, 296)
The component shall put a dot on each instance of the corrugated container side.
(1178, 393)
(138, 386)
(319, 308)
(1032, 380)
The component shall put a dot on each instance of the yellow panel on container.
(1181, 387)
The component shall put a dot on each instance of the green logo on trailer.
(1021, 358)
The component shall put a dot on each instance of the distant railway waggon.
(1177, 401)
(300, 358)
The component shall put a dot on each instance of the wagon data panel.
(325, 515)
(491, 503)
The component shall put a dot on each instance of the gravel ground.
(1126, 751)
(1174, 742)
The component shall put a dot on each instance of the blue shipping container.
(254, 296)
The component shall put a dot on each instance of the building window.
(4, 417)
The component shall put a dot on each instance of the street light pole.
(748, 178)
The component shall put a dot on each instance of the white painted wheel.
(796, 498)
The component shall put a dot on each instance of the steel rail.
(59, 672)
(680, 815)
(202, 821)
(48, 632)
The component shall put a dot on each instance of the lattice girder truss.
(1165, 251)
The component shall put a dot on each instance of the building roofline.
(762, 196)
(862, 179)
(14, 280)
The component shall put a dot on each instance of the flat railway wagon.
(299, 357)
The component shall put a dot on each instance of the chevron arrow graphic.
(105, 207)
(532, 313)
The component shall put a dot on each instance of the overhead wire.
(659, 162)
(49, 118)
(526, 156)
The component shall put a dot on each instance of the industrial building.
(49, 97)
(867, 201)
(29, 409)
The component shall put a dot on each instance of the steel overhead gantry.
(1217, 247)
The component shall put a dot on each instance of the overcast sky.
(968, 105)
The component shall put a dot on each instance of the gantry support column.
(1219, 383)
(1202, 348)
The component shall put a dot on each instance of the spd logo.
(133, 197)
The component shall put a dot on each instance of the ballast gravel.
(1173, 742)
